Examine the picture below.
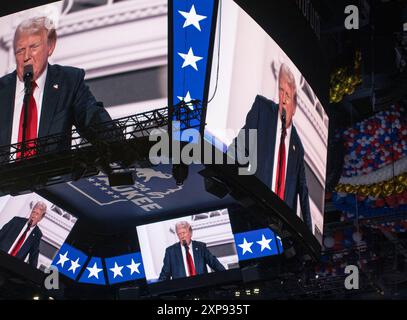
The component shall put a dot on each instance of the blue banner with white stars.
(257, 243)
(69, 261)
(93, 273)
(125, 268)
(191, 34)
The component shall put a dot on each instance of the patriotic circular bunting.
(375, 145)
(375, 142)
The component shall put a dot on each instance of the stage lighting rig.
(60, 158)
(180, 173)
(216, 187)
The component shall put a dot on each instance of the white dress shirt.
(276, 149)
(19, 235)
(184, 257)
(18, 103)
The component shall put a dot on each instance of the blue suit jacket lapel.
(269, 118)
(24, 248)
(179, 258)
(197, 258)
(291, 175)
(27, 244)
(273, 144)
(50, 100)
(7, 96)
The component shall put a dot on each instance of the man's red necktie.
(32, 125)
(19, 242)
(190, 262)
(280, 181)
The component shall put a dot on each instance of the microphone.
(184, 243)
(28, 74)
(283, 117)
(283, 114)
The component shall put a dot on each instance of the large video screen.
(105, 60)
(121, 46)
(33, 229)
(188, 246)
(252, 82)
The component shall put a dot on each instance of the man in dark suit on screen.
(187, 258)
(280, 154)
(60, 98)
(21, 237)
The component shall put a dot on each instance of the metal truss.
(187, 113)
(65, 157)
(125, 128)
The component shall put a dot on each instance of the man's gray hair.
(286, 73)
(36, 25)
(183, 224)
(40, 205)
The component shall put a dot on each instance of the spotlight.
(121, 179)
(180, 173)
(103, 165)
(78, 170)
(216, 187)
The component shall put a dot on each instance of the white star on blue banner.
(94, 272)
(125, 268)
(257, 243)
(192, 22)
(69, 261)
(192, 18)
